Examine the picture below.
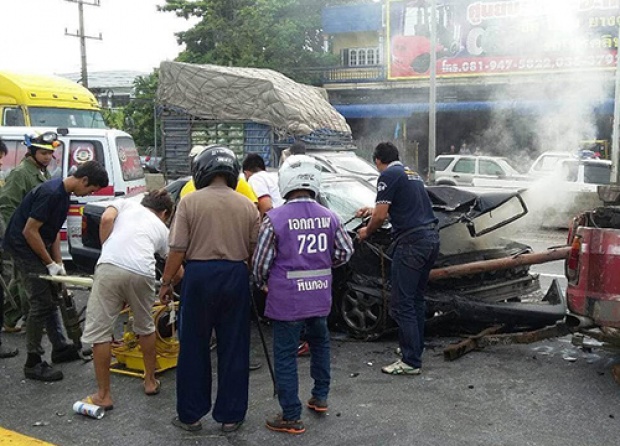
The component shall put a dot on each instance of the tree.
(284, 35)
(139, 114)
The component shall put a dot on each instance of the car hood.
(453, 205)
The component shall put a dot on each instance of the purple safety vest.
(300, 279)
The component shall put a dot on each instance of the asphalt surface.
(547, 393)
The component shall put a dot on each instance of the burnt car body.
(468, 224)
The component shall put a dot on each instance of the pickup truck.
(593, 292)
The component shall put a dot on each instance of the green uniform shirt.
(21, 180)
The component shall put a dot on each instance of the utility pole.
(432, 100)
(615, 135)
(80, 33)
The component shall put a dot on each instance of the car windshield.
(353, 164)
(345, 197)
(66, 117)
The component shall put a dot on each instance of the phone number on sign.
(488, 65)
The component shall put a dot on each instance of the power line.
(82, 36)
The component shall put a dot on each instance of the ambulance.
(114, 149)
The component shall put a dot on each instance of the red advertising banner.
(492, 37)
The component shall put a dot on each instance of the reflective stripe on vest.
(308, 273)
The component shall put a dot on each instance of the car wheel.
(362, 313)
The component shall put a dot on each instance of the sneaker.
(14, 329)
(67, 354)
(303, 349)
(279, 424)
(43, 372)
(400, 368)
(317, 405)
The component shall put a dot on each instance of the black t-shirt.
(404, 191)
(47, 203)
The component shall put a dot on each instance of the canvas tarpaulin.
(247, 94)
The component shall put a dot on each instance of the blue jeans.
(286, 337)
(412, 261)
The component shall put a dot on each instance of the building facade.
(514, 77)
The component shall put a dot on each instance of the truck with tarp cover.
(250, 110)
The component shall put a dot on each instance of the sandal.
(89, 400)
(156, 391)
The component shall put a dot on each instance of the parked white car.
(565, 186)
(479, 171)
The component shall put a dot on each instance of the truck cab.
(46, 101)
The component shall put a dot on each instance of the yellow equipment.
(127, 354)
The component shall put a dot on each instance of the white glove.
(63, 271)
(55, 269)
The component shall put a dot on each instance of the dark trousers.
(412, 261)
(215, 295)
(286, 337)
(44, 311)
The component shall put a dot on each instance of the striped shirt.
(265, 252)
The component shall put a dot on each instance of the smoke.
(554, 106)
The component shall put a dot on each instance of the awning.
(357, 111)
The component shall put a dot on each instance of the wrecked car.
(468, 224)
(492, 287)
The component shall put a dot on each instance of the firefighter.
(298, 245)
(5, 352)
(214, 231)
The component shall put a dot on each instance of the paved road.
(548, 393)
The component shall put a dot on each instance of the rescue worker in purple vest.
(298, 245)
(214, 231)
(402, 195)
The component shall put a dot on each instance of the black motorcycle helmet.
(215, 160)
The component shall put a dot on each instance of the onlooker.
(298, 244)
(33, 240)
(402, 195)
(30, 172)
(125, 273)
(215, 231)
(297, 148)
(464, 150)
(452, 150)
(242, 185)
(264, 185)
(4, 351)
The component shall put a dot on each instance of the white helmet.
(196, 150)
(299, 172)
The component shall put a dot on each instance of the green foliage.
(114, 118)
(284, 35)
(139, 114)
